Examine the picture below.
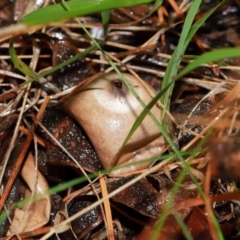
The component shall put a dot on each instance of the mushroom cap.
(107, 110)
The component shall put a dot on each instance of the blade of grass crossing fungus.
(131, 89)
(57, 12)
(164, 90)
(160, 127)
(145, 111)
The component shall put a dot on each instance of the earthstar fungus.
(107, 110)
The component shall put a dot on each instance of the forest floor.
(82, 157)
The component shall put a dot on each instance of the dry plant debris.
(71, 123)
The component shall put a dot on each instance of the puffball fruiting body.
(107, 110)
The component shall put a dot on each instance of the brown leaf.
(141, 196)
(73, 73)
(5, 125)
(35, 214)
(87, 222)
(196, 224)
(73, 139)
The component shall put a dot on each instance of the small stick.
(107, 209)
(135, 51)
(162, 11)
(26, 132)
(30, 234)
(208, 202)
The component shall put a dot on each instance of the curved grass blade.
(212, 56)
(57, 12)
(64, 186)
(22, 67)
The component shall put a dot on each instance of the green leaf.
(57, 12)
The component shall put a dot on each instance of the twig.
(107, 209)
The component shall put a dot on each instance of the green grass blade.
(143, 114)
(23, 68)
(57, 12)
(183, 227)
(155, 7)
(199, 23)
(65, 63)
(175, 60)
(175, 188)
(187, 34)
(19, 64)
(212, 56)
(105, 20)
(64, 186)
(168, 205)
(70, 60)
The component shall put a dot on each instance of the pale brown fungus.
(107, 110)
